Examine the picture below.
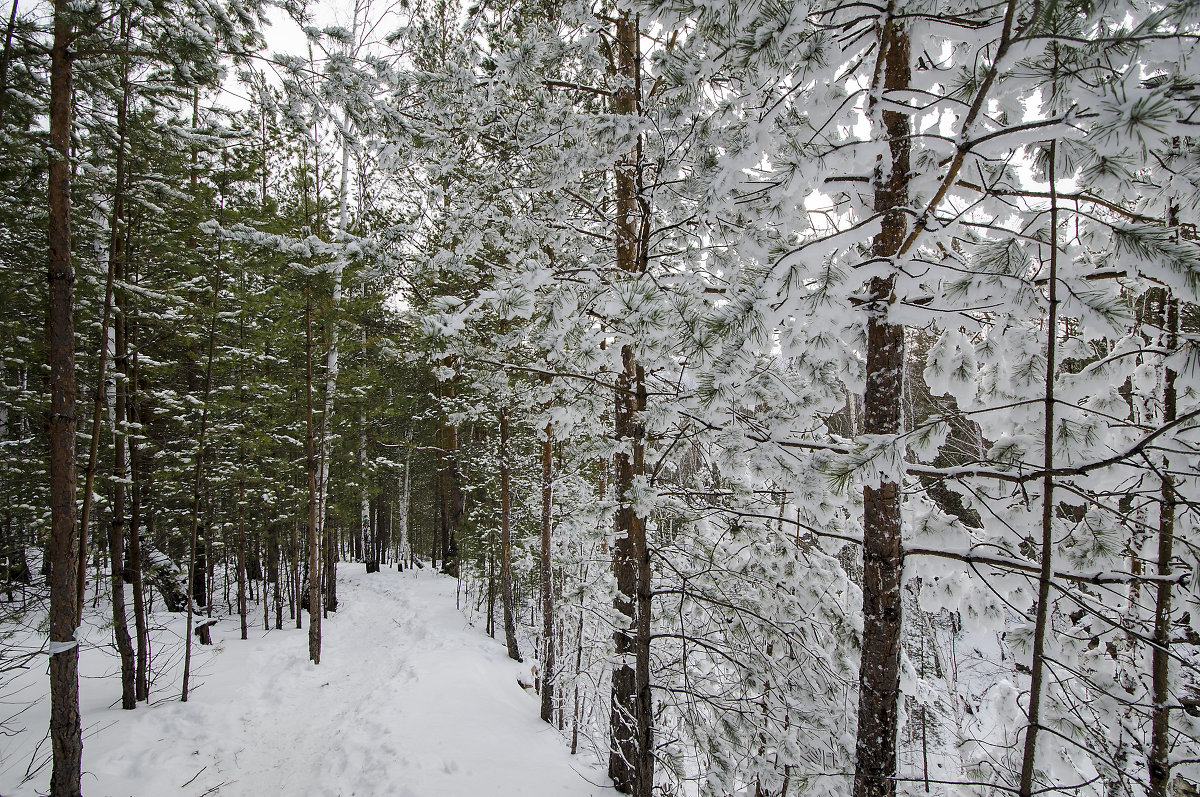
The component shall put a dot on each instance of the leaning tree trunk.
(879, 668)
(631, 752)
(66, 737)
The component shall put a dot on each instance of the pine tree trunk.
(66, 736)
(547, 580)
(330, 569)
(133, 415)
(6, 58)
(196, 566)
(241, 553)
(506, 582)
(879, 669)
(1159, 756)
(314, 584)
(490, 627)
(452, 496)
(631, 755)
(116, 533)
(1041, 623)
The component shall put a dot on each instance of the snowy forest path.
(409, 701)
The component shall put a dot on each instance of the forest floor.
(409, 701)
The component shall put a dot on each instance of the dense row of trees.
(809, 387)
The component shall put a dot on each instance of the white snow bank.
(409, 701)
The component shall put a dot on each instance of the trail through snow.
(409, 701)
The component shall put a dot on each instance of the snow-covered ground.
(409, 701)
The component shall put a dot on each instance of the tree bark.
(133, 414)
(65, 730)
(547, 578)
(631, 754)
(6, 59)
(879, 668)
(1038, 664)
(452, 497)
(198, 483)
(116, 533)
(330, 569)
(314, 561)
(1159, 755)
(116, 536)
(506, 583)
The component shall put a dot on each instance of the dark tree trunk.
(196, 567)
(451, 491)
(133, 413)
(241, 556)
(314, 562)
(547, 578)
(66, 737)
(371, 552)
(506, 580)
(116, 536)
(331, 560)
(1159, 756)
(1041, 623)
(6, 59)
(490, 627)
(631, 755)
(879, 669)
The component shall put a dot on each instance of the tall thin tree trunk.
(314, 563)
(241, 552)
(879, 669)
(490, 627)
(1159, 755)
(142, 683)
(331, 371)
(332, 539)
(66, 736)
(631, 754)
(404, 546)
(198, 483)
(6, 59)
(547, 577)
(506, 581)
(116, 534)
(89, 478)
(1038, 665)
(452, 497)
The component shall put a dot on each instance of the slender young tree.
(547, 575)
(506, 575)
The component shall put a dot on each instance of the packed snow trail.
(408, 701)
